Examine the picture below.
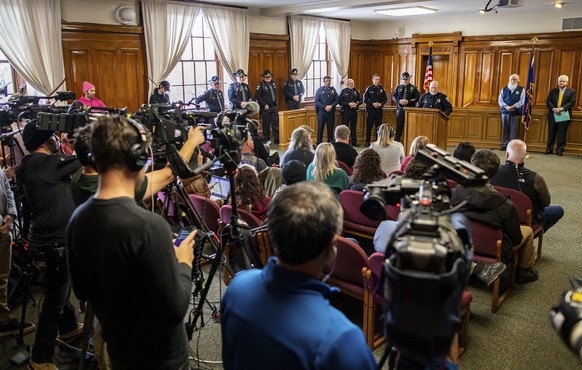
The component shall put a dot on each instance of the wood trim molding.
(266, 36)
(100, 28)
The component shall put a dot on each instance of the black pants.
(374, 118)
(350, 119)
(557, 128)
(270, 117)
(57, 314)
(399, 123)
(292, 104)
(325, 119)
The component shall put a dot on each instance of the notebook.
(219, 188)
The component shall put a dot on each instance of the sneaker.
(525, 276)
(12, 327)
(72, 335)
(44, 366)
(491, 272)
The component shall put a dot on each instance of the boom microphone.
(251, 108)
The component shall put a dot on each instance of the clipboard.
(564, 116)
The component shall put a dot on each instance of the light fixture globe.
(124, 14)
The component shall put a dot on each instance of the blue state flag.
(529, 92)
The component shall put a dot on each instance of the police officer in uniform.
(266, 96)
(239, 92)
(293, 90)
(435, 99)
(375, 98)
(213, 97)
(326, 99)
(404, 95)
(350, 100)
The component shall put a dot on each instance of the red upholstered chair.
(452, 183)
(396, 172)
(355, 222)
(208, 210)
(344, 167)
(487, 241)
(249, 218)
(525, 211)
(353, 276)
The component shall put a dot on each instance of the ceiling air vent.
(572, 24)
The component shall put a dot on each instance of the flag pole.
(533, 40)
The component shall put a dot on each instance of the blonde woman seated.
(324, 168)
(250, 195)
(300, 147)
(366, 170)
(391, 152)
(418, 143)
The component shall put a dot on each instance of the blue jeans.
(551, 215)
(57, 313)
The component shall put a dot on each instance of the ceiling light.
(400, 12)
(482, 11)
(559, 5)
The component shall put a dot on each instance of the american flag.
(529, 92)
(428, 74)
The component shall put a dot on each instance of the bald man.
(435, 99)
(514, 175)
(559, 102)
(510, 100)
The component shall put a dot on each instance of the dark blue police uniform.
(325, 95)
(349, 114)
(374, 94)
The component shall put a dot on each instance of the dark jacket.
(237, 93)
(568, 101)
(348, 96)
(409, 92)
(293, 88)
(375, 94)
(438, 100)
(487, 205)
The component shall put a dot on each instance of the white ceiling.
(363, 10)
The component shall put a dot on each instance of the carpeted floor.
(518, 336)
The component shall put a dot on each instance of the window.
(6, 81)
(197, 65)
(322, 65)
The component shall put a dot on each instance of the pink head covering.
(87, 86)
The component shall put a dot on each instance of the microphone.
(251, 108)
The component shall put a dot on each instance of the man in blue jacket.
(510, 100)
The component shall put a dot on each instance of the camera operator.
(85, 180)
(123, 261)
(284, 307)
(45, 178)
(159, 96)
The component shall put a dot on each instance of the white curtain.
(31, 40)
(167, 29)
(338, 36)
(303, 34)
(230, 33)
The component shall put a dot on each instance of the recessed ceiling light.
(400, 12)
(559, 5)
(482, 11)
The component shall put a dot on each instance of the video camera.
(25, 106)
(567, 317)
(428, 257)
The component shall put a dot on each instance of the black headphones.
(137, 155)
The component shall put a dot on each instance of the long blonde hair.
(324, 162)
(418, 143)
(385, 135)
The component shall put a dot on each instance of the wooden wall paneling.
(486, 77)
(475, 127)
(468, 79)
(547, 79)
(506, 68)
(456, 128)
(110, 57)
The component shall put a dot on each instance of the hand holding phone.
(185, 245)
(186, 230)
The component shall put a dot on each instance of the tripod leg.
(87, 328)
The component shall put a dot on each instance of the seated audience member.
(123, 261)
(300, 147)
(486, 273)
(284, 306)
(324, 168)
(85, 181)
(250, 195)
(487, 205)
(417, 144)
(248, 155)
(293, 171)
(261, 150)
(464, 151)
(391, 152)
(198, 184)
(344, 152)
(366, 170)
(514, 175)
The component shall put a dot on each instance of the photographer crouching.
(122, 259)
(45, 178)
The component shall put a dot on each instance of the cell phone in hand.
(187, 230)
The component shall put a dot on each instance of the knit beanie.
(34, 137)
(87, 86)
(293, 171)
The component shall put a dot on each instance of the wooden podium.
(430, 122)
